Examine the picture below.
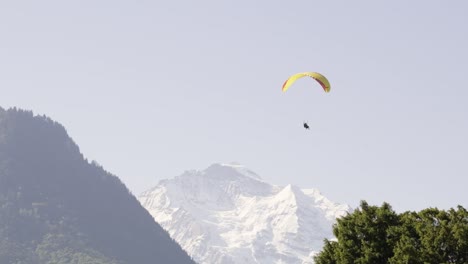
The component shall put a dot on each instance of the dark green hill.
(56, 207)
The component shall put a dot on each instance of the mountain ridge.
(224, 215)
(57, 207)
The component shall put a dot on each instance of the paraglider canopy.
(315, 75)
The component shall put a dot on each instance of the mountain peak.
(228, 168)
(226, 214)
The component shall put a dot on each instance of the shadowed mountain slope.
(56, 207)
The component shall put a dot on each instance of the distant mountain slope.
(56, 207)
(227, 214)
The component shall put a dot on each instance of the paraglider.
(315, 75)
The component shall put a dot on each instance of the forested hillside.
(57, 207)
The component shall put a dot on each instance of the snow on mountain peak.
(241, 169)
(227, 214)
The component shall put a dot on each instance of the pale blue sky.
(152, 88)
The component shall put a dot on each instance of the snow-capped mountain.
(228, 214)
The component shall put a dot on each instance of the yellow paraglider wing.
(317, 76)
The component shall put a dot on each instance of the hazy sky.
(152, 88)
